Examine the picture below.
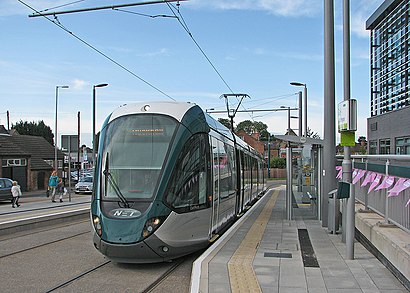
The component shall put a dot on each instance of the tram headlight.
(97, 225)
(151, 225)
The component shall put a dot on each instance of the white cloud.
(160, 52)
(79, 84)
(276, 7)
(361, 10)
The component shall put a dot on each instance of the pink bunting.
(402, 184)
(376, 181)
(340, 174)
(359, 175)
(355, 172)
(387, 182)
(369, 178)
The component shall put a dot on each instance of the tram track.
(43, 244)
(148, 289)
(79, 276)
(157, 282)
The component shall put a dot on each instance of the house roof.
(8, 148)
(34, 147)
(39, 148)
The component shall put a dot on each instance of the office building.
(388, 128)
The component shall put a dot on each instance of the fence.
(375, 187)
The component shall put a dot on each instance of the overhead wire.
(58, 24)
(63, 5)
(185, 26)
(142, 14)
(181, 20)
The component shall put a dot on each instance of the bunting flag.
(369, 178)
(402, 184)
(339, 175)
(359, 175)
(355, 172)
(375, 182)
(387, 182)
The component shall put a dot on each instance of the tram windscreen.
(137, 146)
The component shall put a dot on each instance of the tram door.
(215, 185)
(239, 193)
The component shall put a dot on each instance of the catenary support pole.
(347, 160)
(329, 147)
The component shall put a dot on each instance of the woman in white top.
(16, 192)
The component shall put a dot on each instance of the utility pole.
(232, 113)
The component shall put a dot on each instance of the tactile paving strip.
(241, 274)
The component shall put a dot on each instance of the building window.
(50, 162)
(14, 162)
(373, 147)
(403, 146)
(384, 146)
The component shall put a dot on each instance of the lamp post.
(289, 171)
(283, 107)
(94, 87)
(294, 83)
(55, 126)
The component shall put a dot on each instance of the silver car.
(85, 185)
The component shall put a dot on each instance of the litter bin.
(333, 212)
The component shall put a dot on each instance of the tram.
(168, 180)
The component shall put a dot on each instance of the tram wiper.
(110, 179)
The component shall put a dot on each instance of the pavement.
(264, 252)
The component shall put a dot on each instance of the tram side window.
(187, 189)
(230, 151)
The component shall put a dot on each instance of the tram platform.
(264, 252)
(36, 210)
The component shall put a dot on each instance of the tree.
(277, 162)
(35, 129)
(225, 122)
(253, 126)
(247, 126)
(311, 134)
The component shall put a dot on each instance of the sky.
(214, 47)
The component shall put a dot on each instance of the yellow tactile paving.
(241, 274)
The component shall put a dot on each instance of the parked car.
(5, 189)
(84, 185)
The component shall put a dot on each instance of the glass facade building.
(388, 127)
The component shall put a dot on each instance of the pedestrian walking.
(52, 183)
(16, 192)
(60, 189)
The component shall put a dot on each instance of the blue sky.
(257, 46)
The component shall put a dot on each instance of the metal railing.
(392, 208)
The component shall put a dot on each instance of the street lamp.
(55, 126)
(94, 87)
(294, 83)
(283, 107)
